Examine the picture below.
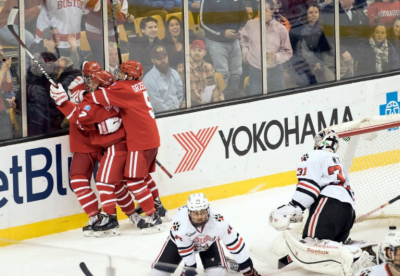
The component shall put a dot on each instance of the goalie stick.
(84, 269)
(286, 260)
(10, 25)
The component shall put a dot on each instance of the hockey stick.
(84, 269)
(116, 30)
(10, 25)
(286, 260)
(164, 169)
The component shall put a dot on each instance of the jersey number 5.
(148, 103)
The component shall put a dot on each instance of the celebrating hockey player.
(112, 164)
(390, 253)
(198, 228)
(323, 188)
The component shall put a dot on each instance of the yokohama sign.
(194, 145)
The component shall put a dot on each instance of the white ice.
(132, 253)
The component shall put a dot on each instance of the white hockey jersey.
(320, 172)
(377, 270)
(191, 240)
(66, 15)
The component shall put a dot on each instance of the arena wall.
(222, 152)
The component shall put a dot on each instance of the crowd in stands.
(225, 59)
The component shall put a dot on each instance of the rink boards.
(222, 152)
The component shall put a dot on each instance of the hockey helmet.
(99, 79)
(132, 68)
(89, 67)
(326, 139)
(199, 211)
(392, 241)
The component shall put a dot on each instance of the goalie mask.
(326, 139)
(199, 211)
(390, 249)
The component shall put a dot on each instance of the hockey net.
(370, 152)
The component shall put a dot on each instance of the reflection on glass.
(394, 35)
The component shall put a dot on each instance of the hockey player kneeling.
(390, 253)
(197, 228)
(323, 188)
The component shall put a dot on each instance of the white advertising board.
(202, 149)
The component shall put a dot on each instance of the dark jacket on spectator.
(176, 57)
(366, 61)
(143, 6)
(351, 31)
(140, 50)
(217, 16)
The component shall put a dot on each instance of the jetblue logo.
(392, 106)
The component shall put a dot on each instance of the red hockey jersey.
(136, 112)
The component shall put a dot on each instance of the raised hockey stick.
(286, 260)
(10, 25)
(84, 269)
(116, 30)
(164, 169)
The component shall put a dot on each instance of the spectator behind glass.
(377, 54)
(173, 41)
(313, 46)
(140, 49)
(280, 18)
(43, 115)
(395, 35)
(154, 7)
(163, 83)
(113, 59)
(66, 17)
(279, 51)
(354, 27)
(7, 97)
(32, 9)
(222, 21)
(94, 30)
(383, 12)
(203, 82)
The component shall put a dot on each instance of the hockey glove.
(247, 268)
(189, 271)
(110, 125)
(77, 96)
(78, 80)
(284, 215)
(58, 94)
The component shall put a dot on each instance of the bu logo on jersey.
(392, 106)
(194, 145)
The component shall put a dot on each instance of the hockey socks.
(124, 199)
(86, 197)
(107, 197)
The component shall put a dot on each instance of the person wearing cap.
(278, 47)
(140, 48)
(203, 83)
(163, 83)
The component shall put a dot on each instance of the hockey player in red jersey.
(198, 228)
(390, 253)
(111, 164)
(323, 187)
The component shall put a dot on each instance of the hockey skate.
(137, 220)
(138, 209)
(88, 229)
(152, 225)
(107, 226)
(161, 210)
(233, 266)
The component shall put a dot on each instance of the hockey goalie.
(323, 187)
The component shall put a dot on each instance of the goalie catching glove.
(281, 217)
(58, 94)
(110, 125)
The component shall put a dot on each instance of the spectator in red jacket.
(383, 12)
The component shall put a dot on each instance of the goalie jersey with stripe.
(321, 172)
(190, 240)
(377, 270)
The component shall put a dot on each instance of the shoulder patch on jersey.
(218, 217)
(87, 107)
(176, 225)
(304, 157)
(336, 160)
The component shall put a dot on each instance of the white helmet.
(392, 240)
(327, 139)
(198, 202)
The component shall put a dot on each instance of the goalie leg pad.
(327, 257)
